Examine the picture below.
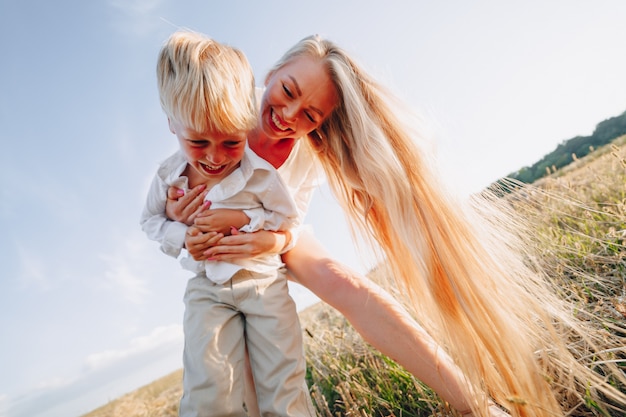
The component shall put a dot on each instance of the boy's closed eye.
(233, 144)
(198, 143)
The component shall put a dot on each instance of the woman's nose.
(290, 113)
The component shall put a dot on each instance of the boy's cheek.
(237, 153)
(193, 153)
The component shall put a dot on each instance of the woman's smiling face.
(298, 97)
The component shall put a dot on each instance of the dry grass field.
(580, 216)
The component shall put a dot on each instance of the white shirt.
(254, 187)
(303, 174)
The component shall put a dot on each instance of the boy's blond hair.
(206, 85)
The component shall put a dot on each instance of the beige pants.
(220, 320)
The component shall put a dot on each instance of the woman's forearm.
(376, 315)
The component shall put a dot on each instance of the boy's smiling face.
(212, 155)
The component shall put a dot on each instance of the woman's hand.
(185, 207)
(197, 242)
(220, 220)
(247, 245)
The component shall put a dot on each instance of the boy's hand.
(184, 207)
(220, 220)
(197, 243)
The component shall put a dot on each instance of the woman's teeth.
(277, 122)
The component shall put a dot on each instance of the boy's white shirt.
(301, 173)
(254, 187)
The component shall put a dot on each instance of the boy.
(207, 92)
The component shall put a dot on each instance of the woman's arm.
(189, 209)
(375, 314)
(249, 245)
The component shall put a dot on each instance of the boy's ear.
(169, 123)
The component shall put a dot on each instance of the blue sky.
(91, 308)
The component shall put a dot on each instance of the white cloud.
(125, 270)
(132, 287)
(161, 336)
(106, 375)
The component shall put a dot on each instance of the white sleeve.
(157, 226)
(303, 184)
(257, 220)
(302, 197)
(277, 210)
(303, 175)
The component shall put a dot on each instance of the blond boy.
(207, 92)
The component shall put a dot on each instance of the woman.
(470, 289)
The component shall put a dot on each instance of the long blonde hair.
(466, 265)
